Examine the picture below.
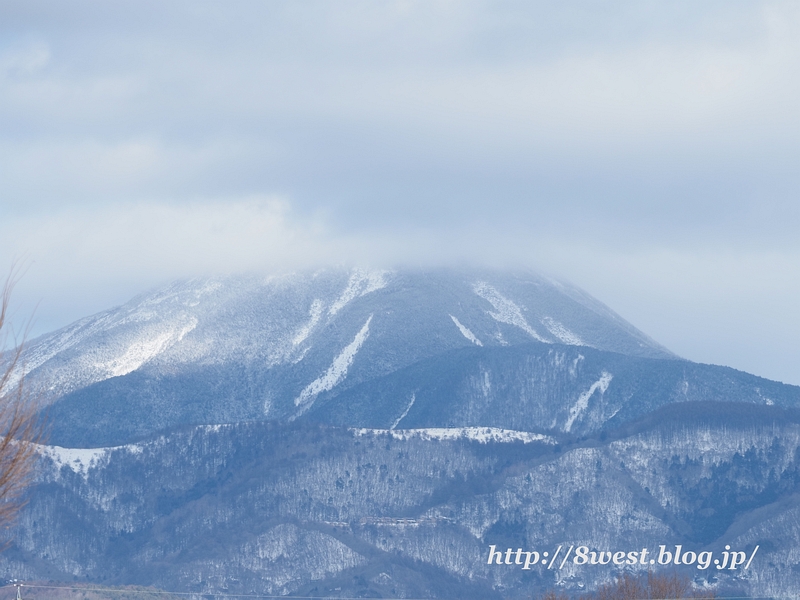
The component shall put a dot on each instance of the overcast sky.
(645, 151)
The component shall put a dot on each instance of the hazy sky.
(646, 151)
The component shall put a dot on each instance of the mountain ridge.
(247, 347)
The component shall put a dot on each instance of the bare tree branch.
(21, 429)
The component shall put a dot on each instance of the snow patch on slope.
(466, 332)
(144, 349)
(314, 313)
(573, 369)
(360, 284)
(80, 460)
(583, 400)
(336, 372)
(561, 332)
(405, 412)
(767, 401)
(507, 311)
(484, 435)
(117, 341)
(486, 384)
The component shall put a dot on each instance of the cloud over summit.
(143, 139)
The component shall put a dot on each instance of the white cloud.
(84, 260)
(24, 60)
(164, 239)
(644, 150)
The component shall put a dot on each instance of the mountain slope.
(309, 510)
(545, 388)
(551, 389)
(244, 348)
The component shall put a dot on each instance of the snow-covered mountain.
(372, 433)
(245, 348)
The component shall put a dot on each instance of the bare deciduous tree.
(641, 587)
(21, 429)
